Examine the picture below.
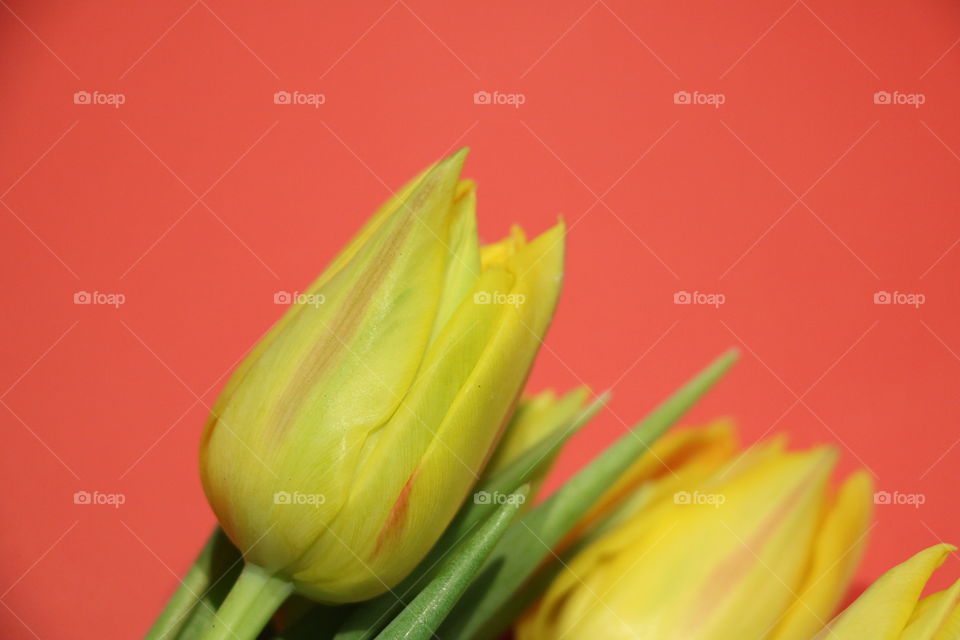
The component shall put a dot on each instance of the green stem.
(253, 599)
(185, 597)
(216, 558)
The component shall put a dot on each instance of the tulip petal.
(951, 626)
(836, 555)
(883, 610)
(702, 449)
(931, 615)
(464, 261)
(337, 264)
(699, 568)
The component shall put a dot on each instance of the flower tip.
(458, 157)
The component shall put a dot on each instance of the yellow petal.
(715, 565)
(932, 614)
(702, 449)
(951, 626)
(343, 258)
(836, 556)
(464, 262)
(883, 610)
(497, 253)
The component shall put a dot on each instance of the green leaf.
(420, 619)
(190, 610)
(371, 616)
(484, 611)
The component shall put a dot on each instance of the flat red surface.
(797, 199)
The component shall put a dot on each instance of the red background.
(198, 198)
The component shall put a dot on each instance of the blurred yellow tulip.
(346, 441)
(710, 544)
(891, 608)
(543, 416)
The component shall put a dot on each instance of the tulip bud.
(712, 549)
(345, 442)
(537, 418)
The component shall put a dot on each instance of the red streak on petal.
(348, 318)
(397, 517)
(723, 579)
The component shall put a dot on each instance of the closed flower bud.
(345, 442)
(541, 418)
(714, 545)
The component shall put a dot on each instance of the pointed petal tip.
(459, 156)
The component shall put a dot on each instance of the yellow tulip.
(711, 544)
(891, 608)
(345, 442)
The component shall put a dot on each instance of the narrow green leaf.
(479, 614)
(420, 619)
(370, 617)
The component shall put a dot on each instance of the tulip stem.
(253, 599)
